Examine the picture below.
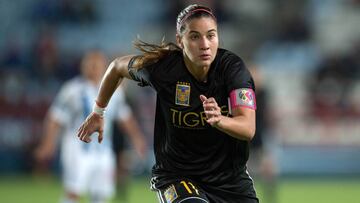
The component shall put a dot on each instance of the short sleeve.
(61, 108)
(238, 76)
(239, 84)
(141, 75)
(155, 74)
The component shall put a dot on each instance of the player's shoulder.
(225, 55)
(73, 85)
(228, 61)
(172, 58)
(167, 66)
(175, 54)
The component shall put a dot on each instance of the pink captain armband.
(98, 109)
(242, 97)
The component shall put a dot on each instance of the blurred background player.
(87, 168)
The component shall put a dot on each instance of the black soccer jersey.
(185, 145)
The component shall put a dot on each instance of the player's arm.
(59, 111)
(47, 146)
(241, 126)
(114, 75)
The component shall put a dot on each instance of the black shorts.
(186, 191)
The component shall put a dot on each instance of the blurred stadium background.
(307, 54)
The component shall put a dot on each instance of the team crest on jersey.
(170, 194)
(244, 97)
(182, 96)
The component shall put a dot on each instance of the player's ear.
(179, 41)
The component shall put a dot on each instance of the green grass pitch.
(27, 189)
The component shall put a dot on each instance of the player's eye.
(211, 36)
(194, 37)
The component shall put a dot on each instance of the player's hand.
(93, 123)
(212, 110)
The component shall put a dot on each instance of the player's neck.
(199, 73)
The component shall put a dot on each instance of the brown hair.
(191, 12)
(153, 53)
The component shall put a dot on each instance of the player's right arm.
(114, 75)
(46, 149)
(57, 117)
(116, 72)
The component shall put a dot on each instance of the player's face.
(199, 41)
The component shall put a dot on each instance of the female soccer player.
(205, 113)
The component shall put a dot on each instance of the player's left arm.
(241, 125)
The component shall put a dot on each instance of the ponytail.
(152, 53)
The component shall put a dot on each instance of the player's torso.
(185, 144)
(183, 138)
(180, 98)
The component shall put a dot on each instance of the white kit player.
(88, 168)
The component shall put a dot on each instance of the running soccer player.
(205, 113)
(87, 168)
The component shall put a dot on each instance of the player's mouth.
(205, 56)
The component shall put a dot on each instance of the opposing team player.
(87, 168)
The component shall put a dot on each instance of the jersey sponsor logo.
(170, 194)
(182, 96)
(193, 120)
(243, 97)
